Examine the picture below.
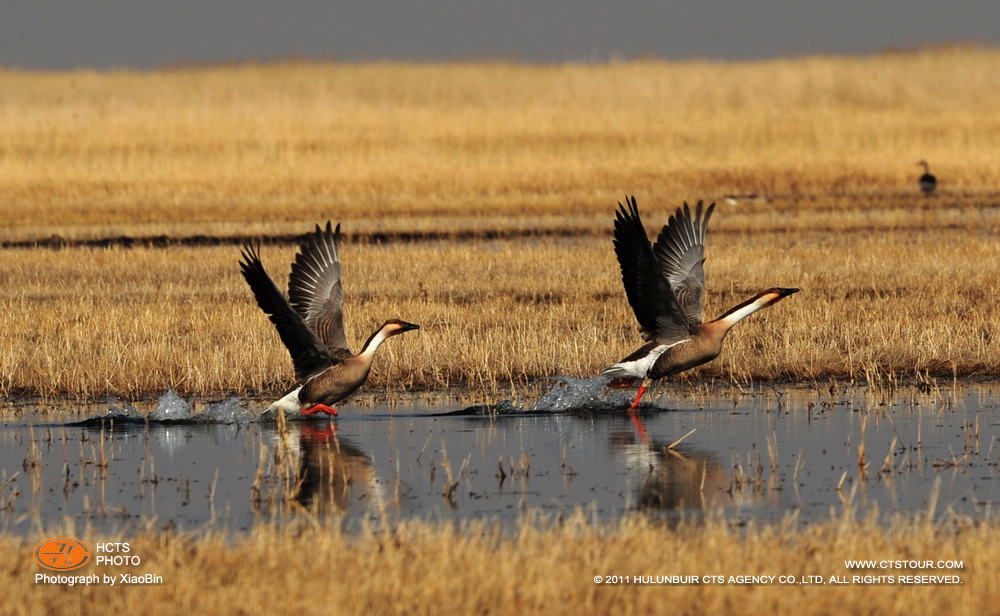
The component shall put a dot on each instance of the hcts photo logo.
(62, 553)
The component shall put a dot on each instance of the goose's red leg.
(642, 389)
(633, 411)
(329, 410)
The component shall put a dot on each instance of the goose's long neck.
(373, 343)
(739, 312)
(927, 169)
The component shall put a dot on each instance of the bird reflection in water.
(335, 476)
(670, 478)
(323, 473)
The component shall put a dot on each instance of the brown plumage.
(311, 323)
(664, 284)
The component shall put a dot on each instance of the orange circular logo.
(62, 553)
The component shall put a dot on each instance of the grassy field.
(496, 315)
(262, 149)
(422, 568)
(536, 155)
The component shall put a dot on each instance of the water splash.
(567, 394)
(589, 394)
(124, 413)
(171, 407)
(229, 411)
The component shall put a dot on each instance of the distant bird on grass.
(750, 197)
(311, 323)
(664, 283)
(927, 181)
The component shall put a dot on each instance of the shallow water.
(761, 455)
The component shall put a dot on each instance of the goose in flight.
(664, 283)
(311, 323)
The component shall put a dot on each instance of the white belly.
(290, 403)
(639, 368)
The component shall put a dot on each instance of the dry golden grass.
(426, 569)
(890, 279)
(497, 315)
(261, 149)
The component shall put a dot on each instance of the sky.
(104, 34)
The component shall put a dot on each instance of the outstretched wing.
(680, 250)
(660, 316)
(314, 287)
(308, 354)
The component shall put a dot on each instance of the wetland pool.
(761, 455)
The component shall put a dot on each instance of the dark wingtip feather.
(708, 214)
(249, 255)
(629, 211)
